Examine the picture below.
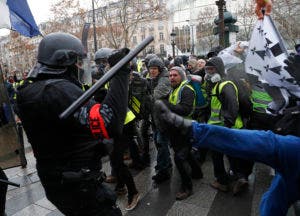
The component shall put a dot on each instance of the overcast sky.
(40, 10)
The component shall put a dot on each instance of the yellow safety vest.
(174, 96)
(215, 117)
(139, 65)
(260, 99)
(129, 116)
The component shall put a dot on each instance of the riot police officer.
(68, 152)
(101, 57)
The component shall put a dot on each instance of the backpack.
(195, 82)
(139, 96)
(244, 97)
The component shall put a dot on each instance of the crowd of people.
(149, 98)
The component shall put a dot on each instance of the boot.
(161, 177)
(183, 194)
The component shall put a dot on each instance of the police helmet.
(156, 62)
(103, 53)
(178, 61)
(149, 57)
(60, 49)
(167, 62)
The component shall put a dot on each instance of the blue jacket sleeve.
(279, 152)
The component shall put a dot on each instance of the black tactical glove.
(288, 124)
(170, 122)
(293, 66)
(116, 56)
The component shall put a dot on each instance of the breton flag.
(265, 58)
(16, 15)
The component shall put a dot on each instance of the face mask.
(214, 78)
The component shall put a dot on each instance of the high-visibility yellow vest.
(139, 65)
(215, 116)
(174, 96)
(129, 116)
(260, 99)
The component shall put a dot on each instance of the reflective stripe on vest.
(135, 104)
(139, 65)
(174, 97)
(106, 86)
(260, 99)
(215, 116)
(129, 116)
(16, 85)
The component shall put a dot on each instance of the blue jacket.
(280, 152)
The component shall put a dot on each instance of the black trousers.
(129, 136)
(219, 168)
(124, 177)
(145, 126)
(186, 164)
(78, 198)
(3, 190)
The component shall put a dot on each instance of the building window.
(134, 40)
(161, 36)
(151, 49)
(143, 29)
(143, 37)
(162, 49)
(161, 25)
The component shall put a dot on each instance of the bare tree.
(122, 18)
(246, 19)
(69, 17)
(21, 51)
(286, 15)
(205, 27)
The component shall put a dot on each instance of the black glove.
(288, 123)
(293, 66)
(170, 122)
(116, 56)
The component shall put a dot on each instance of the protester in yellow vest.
(224, 112)
(182, 102)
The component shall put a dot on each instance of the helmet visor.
(84, 71)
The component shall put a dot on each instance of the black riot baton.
(106, 77)
(3, 181)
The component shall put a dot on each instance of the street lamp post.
(193, 42)
(94, 27)
(173, 35)
(221, 4)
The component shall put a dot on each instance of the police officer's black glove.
(116, 56)
(293, 66)
(170, 122)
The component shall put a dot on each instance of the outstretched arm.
(274, 150)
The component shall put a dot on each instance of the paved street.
(30, 198)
